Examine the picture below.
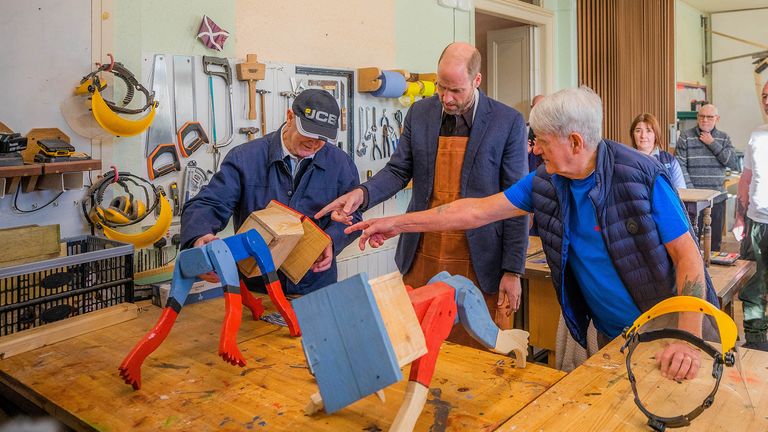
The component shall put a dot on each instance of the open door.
(510, 72)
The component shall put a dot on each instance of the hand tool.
(199, 138)
(296, 89)
(11, 146)
(373, 121)
(329, 85)
(263, 108)
(174, 188)
(218, 66)
(398, 116)
(250, 132)
(251, 70)
(361, 146)
(184, 101)
(343, 100)
(193, 180)
(375, 149)
(160, 137)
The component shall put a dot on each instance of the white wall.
(733, 82)
(689, 54)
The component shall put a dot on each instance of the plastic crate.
(95, 274)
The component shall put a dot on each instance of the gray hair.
(570, 110)
(714, 108)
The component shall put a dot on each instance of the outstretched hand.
(374, 231)
(341, 208)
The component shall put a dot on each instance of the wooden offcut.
(368, 79)
(68, 328)
(307, 250)
(29, 243)
(400, 320)
(280, 230)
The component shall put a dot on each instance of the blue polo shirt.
(610, 304)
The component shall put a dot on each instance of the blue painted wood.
(473, 312)
(346, 342)
(192, 262)
(325, 350)
(250, 244)
(189, 264)
(224, 264)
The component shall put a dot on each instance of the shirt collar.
(470, 120)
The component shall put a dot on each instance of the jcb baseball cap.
(318, 114)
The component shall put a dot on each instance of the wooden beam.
(56, 332)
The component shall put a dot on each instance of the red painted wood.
(435, 307)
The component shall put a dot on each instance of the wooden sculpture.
(358, 335)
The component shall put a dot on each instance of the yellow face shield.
(113, 123)
(657, 344)
(106, 112)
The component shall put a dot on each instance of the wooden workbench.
(597, 396)
(186, 386)
(543, 309)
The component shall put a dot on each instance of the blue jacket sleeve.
(348, 180)
(514, 167)
(396, 173)
(209, 211)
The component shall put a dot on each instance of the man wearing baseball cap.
(297, 165)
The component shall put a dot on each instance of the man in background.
(704, 152)
(534, 160)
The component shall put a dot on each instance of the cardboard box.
(200, 291)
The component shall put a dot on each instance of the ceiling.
(720, 5)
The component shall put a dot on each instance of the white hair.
(570, 110)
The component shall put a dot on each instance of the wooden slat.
(71, 327)
(626, 54)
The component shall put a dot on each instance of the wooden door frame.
(536, 16)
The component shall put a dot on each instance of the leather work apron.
(449, 251)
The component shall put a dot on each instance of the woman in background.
(645, 138)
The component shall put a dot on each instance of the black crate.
(95, 274)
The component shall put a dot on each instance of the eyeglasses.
(706, 117)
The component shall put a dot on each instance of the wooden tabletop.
(698, 195)
(727, 280)
(186, 386)
(597, 396)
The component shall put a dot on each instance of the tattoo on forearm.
(443, 208)
(693, 288)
